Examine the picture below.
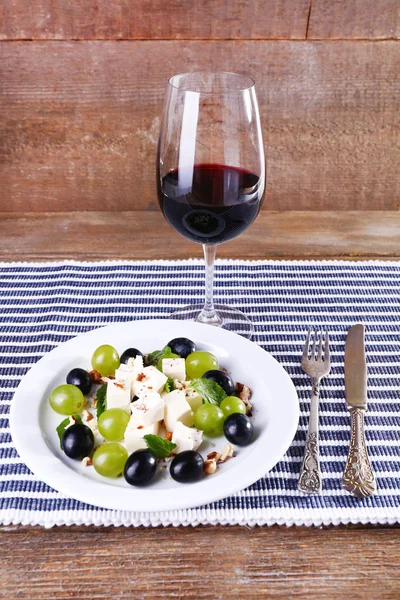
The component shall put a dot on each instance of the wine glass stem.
(208, 314)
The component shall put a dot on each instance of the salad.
(131, 412)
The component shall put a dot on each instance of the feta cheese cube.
(126, 376)
(130, 371)
(174, 368)
(119, 395)
(135, 363)
(146, 411)
(134, 436)
(177, 409)
(149, 380)
(186, 438)
(193, 398)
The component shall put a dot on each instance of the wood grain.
(146, 235)
(354, 19)
(154, 19)
(213, 562)
(79, 121)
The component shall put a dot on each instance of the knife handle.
(310, 481)
(358, 477)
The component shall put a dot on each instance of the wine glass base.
(232, 318)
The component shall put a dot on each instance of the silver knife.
(358, 477)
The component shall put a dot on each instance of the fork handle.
(310, 481)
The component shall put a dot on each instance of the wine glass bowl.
(211, 171)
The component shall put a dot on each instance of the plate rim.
(64, 478)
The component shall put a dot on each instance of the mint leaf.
(169, 385)
(64, 424)
(101, 397)
(160, 447)
(155, 356)
(208, 390)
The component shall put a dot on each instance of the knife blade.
(358, 478)
(355, 368)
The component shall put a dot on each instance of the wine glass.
(211, 173)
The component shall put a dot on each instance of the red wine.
(210, 203)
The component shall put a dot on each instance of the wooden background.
(82, 85)
(81, 91)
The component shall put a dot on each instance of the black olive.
(140, 467)
(224, 380)
(238, 429)
(77, 441)
(81, 379)
(187, 467)
(182, 346)
(129, 353)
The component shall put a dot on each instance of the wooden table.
(203, 562)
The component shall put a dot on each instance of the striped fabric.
(43, 305)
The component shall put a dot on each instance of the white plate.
(276, 414)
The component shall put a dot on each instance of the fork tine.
(314, 344)
(327, 357)
(307, 345)
(321, 337)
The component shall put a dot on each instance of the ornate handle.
(310, 480)
(358, 477)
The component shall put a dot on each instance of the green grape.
(112, 424)
(232, 404)
(67, 399)
(109, 459)
(105, 360)
(210, 419)
(197, 363)
(172, 355)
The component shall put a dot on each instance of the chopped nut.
(94, 403)
(227, 452)
(244, 394)
(119, 385)
(210, 466)
(72, 421)
(95, 376)
(92, 424)
(168, 436)
(214, 456)
(111, 377)
(140, 427)
(180, 385)
(87, 461)
(87, 416)
(238, 387)
(140, 377)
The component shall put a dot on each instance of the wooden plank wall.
(82, 85)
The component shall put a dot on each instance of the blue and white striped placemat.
(44, 304)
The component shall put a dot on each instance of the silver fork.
(316, 366)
